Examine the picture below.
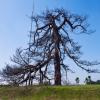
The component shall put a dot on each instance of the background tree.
(86, 80)
(77, 80)
(11, 75)
(89, 79)
(21, 71)
(24, 71)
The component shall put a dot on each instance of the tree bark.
(41, 77)
(57, 68)
(57, 56)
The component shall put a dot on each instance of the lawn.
(87, 92)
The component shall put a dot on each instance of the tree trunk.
(41, 77)
(57, 68)
(29, 83)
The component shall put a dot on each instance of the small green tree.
(89, 79)
(77, 80)
(86, 80)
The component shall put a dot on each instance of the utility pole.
(29, 57)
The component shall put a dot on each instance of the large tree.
(50, 44)
(51, 40)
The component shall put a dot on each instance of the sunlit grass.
(88, 92)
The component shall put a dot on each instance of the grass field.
(88, 92)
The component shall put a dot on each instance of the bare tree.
(50, 44)
(23, 59)
(27, 67)
(51, 40)
(12, 74)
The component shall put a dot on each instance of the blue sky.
(15, 25)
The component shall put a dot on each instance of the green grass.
(88, 92)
